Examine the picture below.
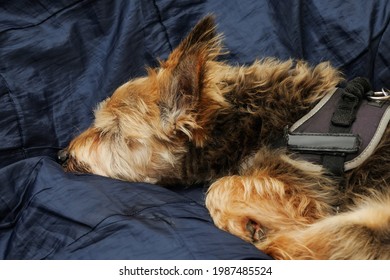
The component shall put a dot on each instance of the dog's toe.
(256, 231)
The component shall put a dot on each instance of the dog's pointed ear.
(187, 66)
(202, 42)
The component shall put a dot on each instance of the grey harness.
(343, 129)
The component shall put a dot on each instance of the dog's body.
(198, 120)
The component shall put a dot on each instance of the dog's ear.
(202, 43)
(187, 68)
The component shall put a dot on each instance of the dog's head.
(141, 131)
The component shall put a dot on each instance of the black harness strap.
(343, 129)
(343, 118)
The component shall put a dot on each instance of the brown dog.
(195, 119)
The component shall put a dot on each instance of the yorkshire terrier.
(196, 119)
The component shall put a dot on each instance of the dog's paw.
(235, 206)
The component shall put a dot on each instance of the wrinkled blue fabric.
(46, 214)
(58, 59)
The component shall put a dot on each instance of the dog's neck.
(277, 93)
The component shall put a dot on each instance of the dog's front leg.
(256, 208)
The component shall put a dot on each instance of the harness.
(343, 129)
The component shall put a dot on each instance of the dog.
(195, 119)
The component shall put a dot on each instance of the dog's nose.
(63, 156)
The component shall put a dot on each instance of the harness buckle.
(382, 95)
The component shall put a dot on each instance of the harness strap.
(343, 129)
(343, 118)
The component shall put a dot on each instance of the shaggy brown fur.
(195, 119)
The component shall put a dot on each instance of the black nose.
(63, 156)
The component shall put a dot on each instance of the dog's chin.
(74, 166)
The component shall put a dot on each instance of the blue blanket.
(58, 59)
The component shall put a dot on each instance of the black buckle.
(345, 113)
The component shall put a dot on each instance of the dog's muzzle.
(63, 156)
